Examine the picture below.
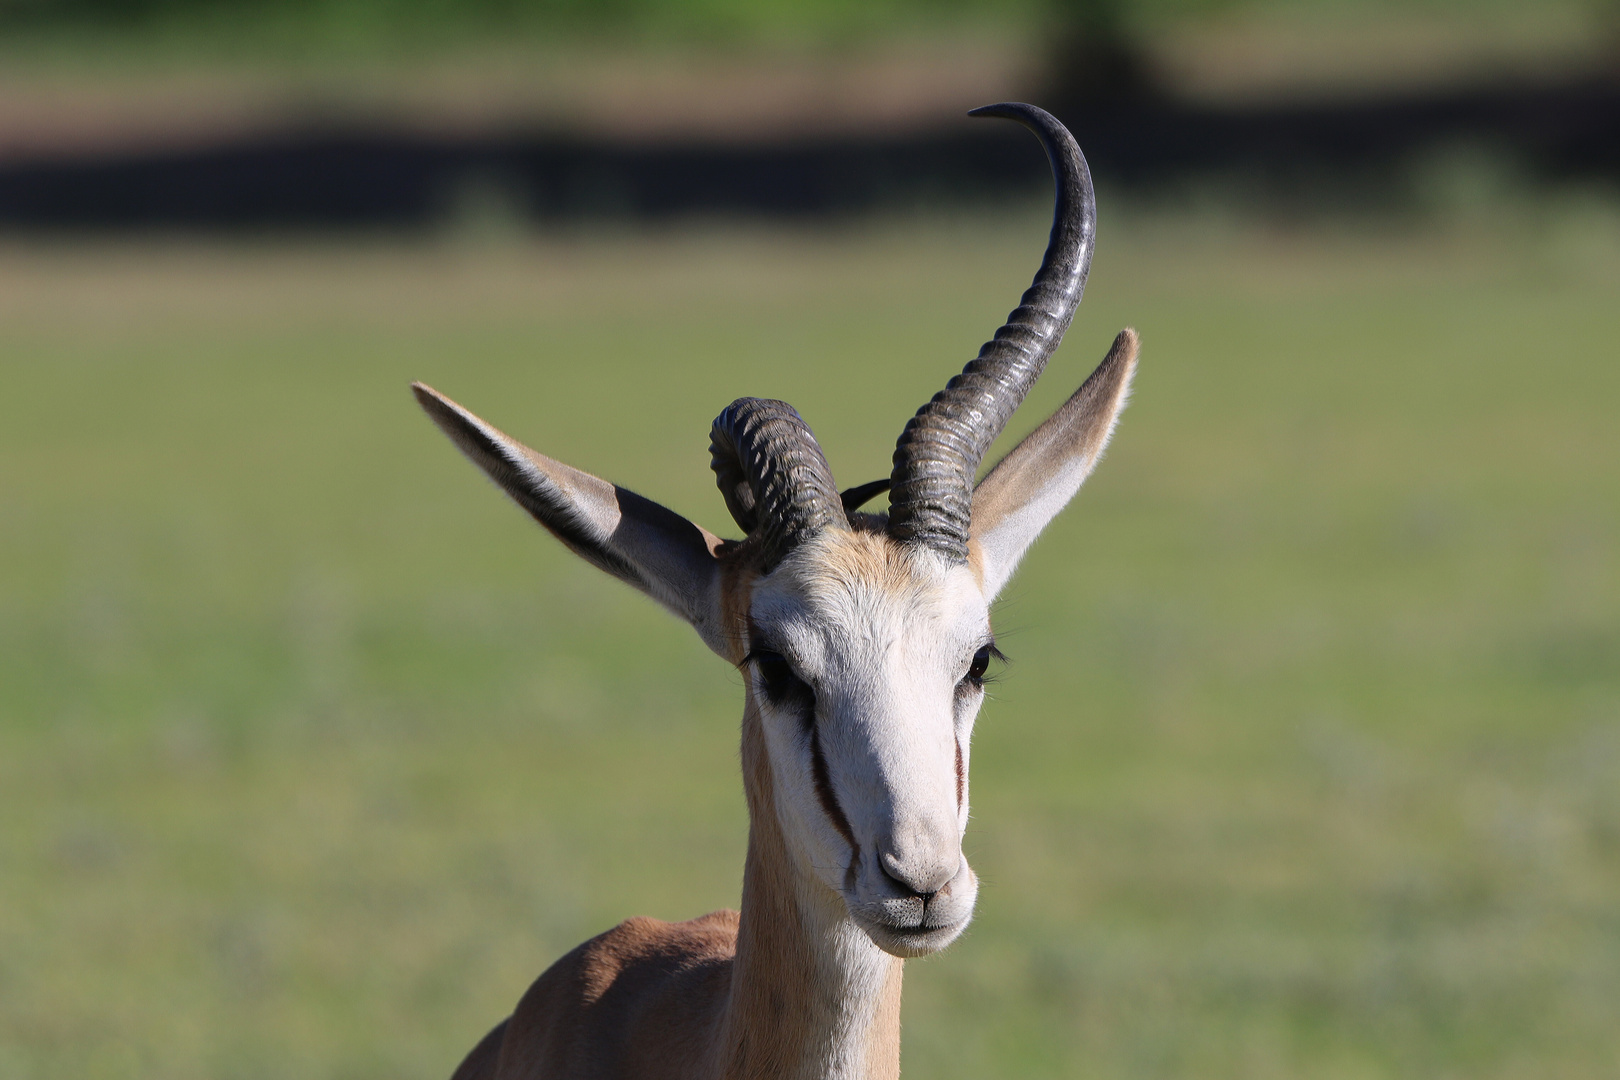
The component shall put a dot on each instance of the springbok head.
(864, 637)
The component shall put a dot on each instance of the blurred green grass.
(314, 751)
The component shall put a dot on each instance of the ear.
(636, 540)
(1030, 485)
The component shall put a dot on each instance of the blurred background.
(314, 751)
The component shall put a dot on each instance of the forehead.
(864, 586)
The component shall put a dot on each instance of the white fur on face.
(867, 777)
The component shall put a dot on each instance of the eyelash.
(977, 679)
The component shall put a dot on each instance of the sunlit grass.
(313, 751)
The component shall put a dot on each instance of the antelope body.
(864, 640)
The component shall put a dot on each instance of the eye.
(777, 678)
(975, 676)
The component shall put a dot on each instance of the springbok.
(864, 640)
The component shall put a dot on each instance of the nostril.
(907, 884)
(883, 868)
(900, 884)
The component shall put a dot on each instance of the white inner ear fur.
(1031, 485)
(1002, 545)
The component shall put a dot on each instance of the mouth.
(914, 925)
(913, 940)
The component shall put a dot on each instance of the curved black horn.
(774, 478)
(941, 448)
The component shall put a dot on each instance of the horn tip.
(1011, 110)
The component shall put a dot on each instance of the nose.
(920, 877)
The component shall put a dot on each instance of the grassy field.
(314, 751)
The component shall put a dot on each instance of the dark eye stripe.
(787, 691)
(824, 790)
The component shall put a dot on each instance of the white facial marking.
(866, 717)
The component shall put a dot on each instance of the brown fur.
(637, 1001)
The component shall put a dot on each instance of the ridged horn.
(938, 454)
(773, 475)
